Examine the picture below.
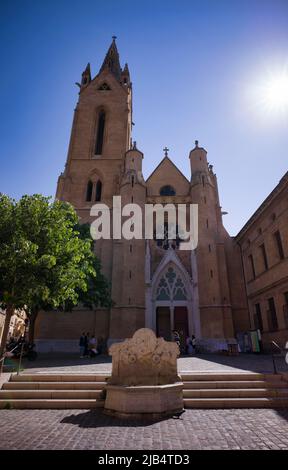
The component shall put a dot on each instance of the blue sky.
(194, 66)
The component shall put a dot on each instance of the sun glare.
(272, 94)
(275, 93)
(266, 94)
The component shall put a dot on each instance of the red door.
(163, 326)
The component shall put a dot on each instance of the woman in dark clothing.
(86, 344)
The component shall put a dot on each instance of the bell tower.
(214, 289)
(100, 136)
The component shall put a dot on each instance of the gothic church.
(154, 284)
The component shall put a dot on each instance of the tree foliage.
(46, 259)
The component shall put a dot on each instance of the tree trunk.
(32, 321)
(8, 316)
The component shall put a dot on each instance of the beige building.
(17, 324)
(154, 283)
(264, 246)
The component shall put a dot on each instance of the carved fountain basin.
(144, 377)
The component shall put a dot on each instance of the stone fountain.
(144, 377)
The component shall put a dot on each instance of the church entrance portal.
(163, 323)
(172, 318)
(170, 304)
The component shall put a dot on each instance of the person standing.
(93, 347)
(176, 338)
(86, 344)
(82, 345)
(194, 344)
(100, 345)
(189, 346)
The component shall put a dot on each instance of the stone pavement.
(204, 362)
(196, 429)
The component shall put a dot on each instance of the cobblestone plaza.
(195, 429)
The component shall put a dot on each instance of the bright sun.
(268, 95)
(275, 93)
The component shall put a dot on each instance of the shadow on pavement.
(98, 419)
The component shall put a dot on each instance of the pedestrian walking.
(82, 345)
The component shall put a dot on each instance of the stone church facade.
(154, 283)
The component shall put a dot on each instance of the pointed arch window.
(98, 193)
(171, 287)
(100, 133)
(89, 191)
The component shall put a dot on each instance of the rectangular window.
(279, 245)
(272, 316)
(285, 309)
(258, 318)
(252, 267)
(264, 255)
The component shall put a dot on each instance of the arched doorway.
(172, 303)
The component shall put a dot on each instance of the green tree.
(44, 262)
(98, 292)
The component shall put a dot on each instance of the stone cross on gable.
(166, 150)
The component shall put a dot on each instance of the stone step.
(49, 394)
(220, 403)
(235, 393)
(54, 385)
(201, 390)
(197, 384)
(51, 404)
(60, 377)
(226, 376)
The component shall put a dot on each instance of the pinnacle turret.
(86, 75)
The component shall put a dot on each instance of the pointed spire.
(111, 60)
(126, 76)
(86, 75)
(126, 69)
(87, 70)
